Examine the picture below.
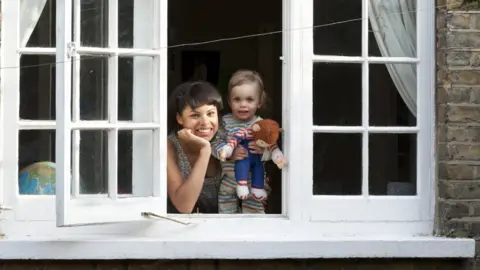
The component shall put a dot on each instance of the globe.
(37, 179)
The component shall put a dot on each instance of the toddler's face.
(245, 101)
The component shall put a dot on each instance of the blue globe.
(37, 179)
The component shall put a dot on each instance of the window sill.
(267, 247)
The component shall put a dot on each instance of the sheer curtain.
(394, 26)
(30, 11)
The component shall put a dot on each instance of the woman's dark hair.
(193, 94)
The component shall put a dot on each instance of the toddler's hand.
(225, 153)
(239, 153)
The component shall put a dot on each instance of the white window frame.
(416, 212)
(299, 232)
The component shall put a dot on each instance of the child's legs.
(227, 196)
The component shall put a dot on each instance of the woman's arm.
(184, 193)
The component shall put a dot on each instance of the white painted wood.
(119, 51)
(361, 59)
(281, 246)
(382, 208)
(87, 125)
(112, 99)
(99, 209)
(365, 100)
(339, 215)
(10, 85)
(426, 160)
(63, 111)
(160, 97)
(359, 129)
(143, 91)
(36, 51)
(76, 99)
(120, 125)
(201, 225)
(296, 105)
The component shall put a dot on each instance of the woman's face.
(203, 120)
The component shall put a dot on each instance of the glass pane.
(135, 162)
(337, 27)
(139, 34)
(393, 164)
(43, 34)
(337, 164)
(93, 162)
(125, 23)
(94, 23)
(37, 87)
(36, 157)
(93, 88)
(337, 94)
(392, 87)
(393, 28)
(135, 88)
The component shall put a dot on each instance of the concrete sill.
(108, 248)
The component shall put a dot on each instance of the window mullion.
(365, 99)
(112, 99)
(76, 100)
(160, 67)
(63, 108)
(426, 107)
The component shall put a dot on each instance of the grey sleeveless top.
(208, 201)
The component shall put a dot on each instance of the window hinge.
(71, 49)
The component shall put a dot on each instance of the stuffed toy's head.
(266, 132)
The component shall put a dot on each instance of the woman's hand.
(254, 148)
(238, 153)
(187, 136)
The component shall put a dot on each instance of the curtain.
(30, 11)
(394, 25)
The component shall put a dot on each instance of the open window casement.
(366, 205)
(146, 129)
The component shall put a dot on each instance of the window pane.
(94, 23)
(36, 157)
(125, 23)
(392, 87)
(135, 162)
(337, 27)
(393, 28)
(337, 164)
(393, 161)
(93, 88)
(43, 34)
(37, 87)
(135, 88)
(93, 162)
(337, 94)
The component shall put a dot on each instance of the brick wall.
(458, 116)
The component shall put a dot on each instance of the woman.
(193, 175)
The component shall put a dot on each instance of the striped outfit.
(228, 202)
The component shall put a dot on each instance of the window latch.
(70, 49)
